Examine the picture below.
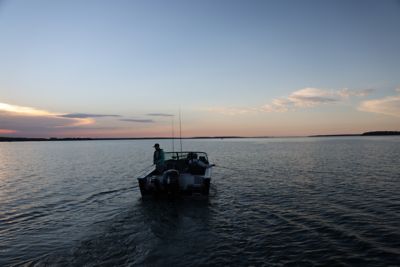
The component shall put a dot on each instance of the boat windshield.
(186, 156)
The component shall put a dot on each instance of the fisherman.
(193, 160)
(197, 166)
(158, 158)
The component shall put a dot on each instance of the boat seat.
(169, 165)
(203, 159)
(176, 165)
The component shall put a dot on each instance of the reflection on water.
(328, 201)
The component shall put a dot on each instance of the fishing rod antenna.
(180, 127)
(173, 134)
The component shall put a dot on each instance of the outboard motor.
(170, 181)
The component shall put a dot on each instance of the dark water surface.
(274, 202)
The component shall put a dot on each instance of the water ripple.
(273, 202)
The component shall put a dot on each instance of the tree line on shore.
(25, 139)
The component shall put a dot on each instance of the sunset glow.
(265, 68)
(7, 131)
(27, 111)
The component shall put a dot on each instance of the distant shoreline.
(54, 139)
(374, 133)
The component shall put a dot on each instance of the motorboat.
(182, 174)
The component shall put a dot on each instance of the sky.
(240, 68)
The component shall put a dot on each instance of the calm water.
(274, 202)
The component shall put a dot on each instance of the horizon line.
(10, 139)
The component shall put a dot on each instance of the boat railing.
(146, 171)
(175, 160)
(185, 155)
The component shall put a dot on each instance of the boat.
(181, 176)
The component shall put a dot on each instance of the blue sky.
(233, 67)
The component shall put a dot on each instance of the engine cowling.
(170, 181)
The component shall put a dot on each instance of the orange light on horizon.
(78, 122)
(7, 131)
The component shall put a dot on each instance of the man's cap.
(156, 145)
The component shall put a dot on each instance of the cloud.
(277, 105)
(85, 115)
(77, 122)
(160, 115)
(309, 97)
(303, 98)
(23, 111)
(388, 105)
(88, 128)
(34, 126)
(138, 120)
(84, 118)
(345, 93)
(32, 121)
(230, 111)
(27, 111)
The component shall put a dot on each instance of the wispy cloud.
(89, 128)
(39, 126)
(77, 122)
(303, 98)
(277, 105)
(230, 111)
(310, 97)
(345, 93)
(138, 120)
(160, 115)
(23, 119)
(86, 115)
(28, 121)
(389, 105)
(27, 111)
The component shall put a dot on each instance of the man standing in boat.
(158, 158)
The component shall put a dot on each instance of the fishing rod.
(173, 135)
(180, 127)
(227, 168)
